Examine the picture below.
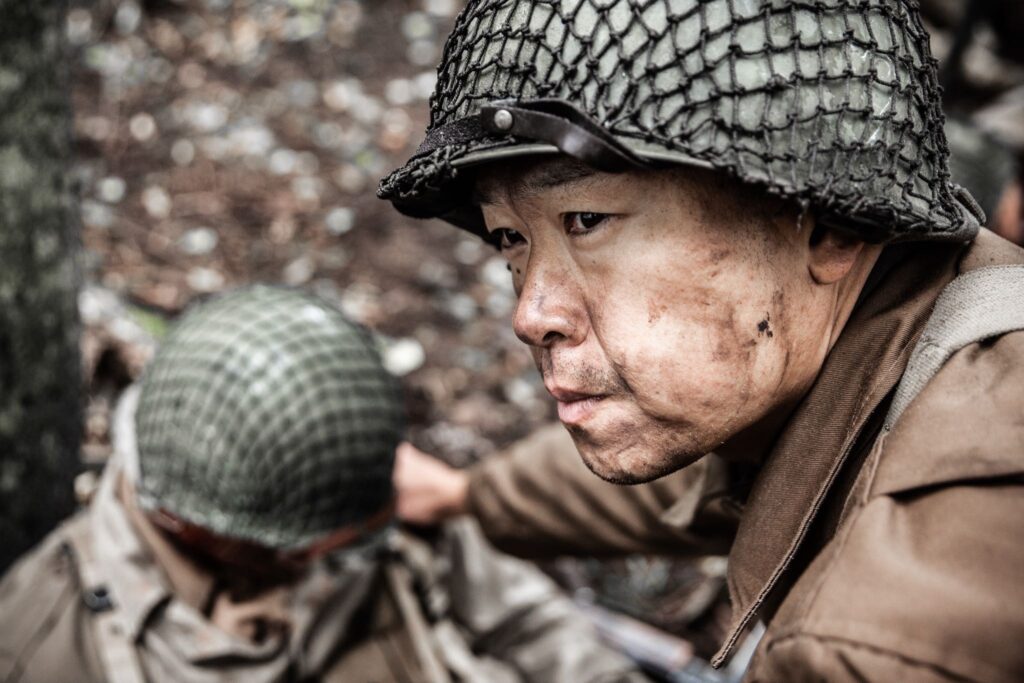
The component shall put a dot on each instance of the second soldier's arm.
(537, 499)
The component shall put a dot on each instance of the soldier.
(731, 229)
(244, 532)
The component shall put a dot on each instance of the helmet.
(831, 103)
(266, 416)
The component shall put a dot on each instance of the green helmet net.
(266, 416)
(831, 103)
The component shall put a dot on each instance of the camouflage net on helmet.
(267, 416)
(832, 103)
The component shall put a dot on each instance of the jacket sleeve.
(514, 613)
(539, 500)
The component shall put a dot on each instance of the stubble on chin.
(633, 462)
(624, 464)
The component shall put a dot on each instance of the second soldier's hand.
(428, 490)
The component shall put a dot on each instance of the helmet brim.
(440, 184)
(451, 199)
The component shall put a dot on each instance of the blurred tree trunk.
(40, 377)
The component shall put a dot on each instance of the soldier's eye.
(583, 221)
(508, 238)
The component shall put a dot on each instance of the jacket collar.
(144, 571)
(865, 365)
(136, 585)
(146, 598)
(157, 590)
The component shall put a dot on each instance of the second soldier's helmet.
(266, 416)
(832, 103)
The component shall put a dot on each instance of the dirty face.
(670, 312)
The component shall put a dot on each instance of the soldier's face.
(669, 313)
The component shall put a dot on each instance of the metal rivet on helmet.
(503, 119)
(832, 103)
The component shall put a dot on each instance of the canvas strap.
(400, 581)
(977, 305)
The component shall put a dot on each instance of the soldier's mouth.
(575, 407)
(577, 412)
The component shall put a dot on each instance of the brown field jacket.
(454, 604)
(871, 559)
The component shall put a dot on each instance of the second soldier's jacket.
(107, 598)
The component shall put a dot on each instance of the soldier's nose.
(549, 310)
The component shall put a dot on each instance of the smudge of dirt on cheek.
(725, 337)
(779, 311)
(724, 350)
(732, 344)
(718, 255)
(655, 310)
(705, 309)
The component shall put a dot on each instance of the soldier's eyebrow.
(483, 193)
(553, 175)
(534, 180)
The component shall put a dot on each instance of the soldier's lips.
(575, 407)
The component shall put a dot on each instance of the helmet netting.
(267, 416)
(833, 103)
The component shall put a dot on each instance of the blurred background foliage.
(220, 143)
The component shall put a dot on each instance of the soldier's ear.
(831, 254)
